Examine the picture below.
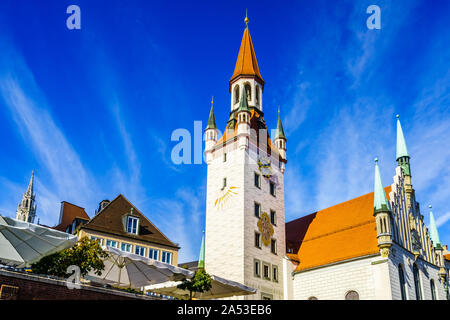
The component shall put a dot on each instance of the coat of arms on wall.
(265, 227)
(265, 167)
(224, 196)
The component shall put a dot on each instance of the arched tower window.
(257, 95)
(417, 282)
(312, 298)
(248, 90)
(352, 295)
(401, 276)
(236, 93)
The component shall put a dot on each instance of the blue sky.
(92, 110)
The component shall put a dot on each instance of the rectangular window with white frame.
(258, 240)
(132, 225)
(166, 257)
(99, 240)
(273, 246)
(272, 188)
(125, 247)
(153, 254)
(139, 251)
(112, 243)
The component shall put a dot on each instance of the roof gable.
(111, 220)
(344, 231)
(69, 213)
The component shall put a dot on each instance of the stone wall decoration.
(265, 227)
(265, 167)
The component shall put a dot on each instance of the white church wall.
(334, 281)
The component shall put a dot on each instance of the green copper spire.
(402, 151)
(434, 235)
(211, 119)
(380, 203)
(280, 131)
(201, 260)
(243, 105)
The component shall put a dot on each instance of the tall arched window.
(417, 282)
(257, 95)
(236, 93)
(433, 290)
(401, 276)
(312, 298)
(248, 90)
(352, 295)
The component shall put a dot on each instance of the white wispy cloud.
(67, 177)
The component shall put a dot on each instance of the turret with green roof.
(402, 155)
(212, 118)
(382, 213)
(434, 235)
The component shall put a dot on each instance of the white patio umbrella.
(220, 288)
(23, 243)
(131, 270)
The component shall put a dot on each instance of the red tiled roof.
(341, 232)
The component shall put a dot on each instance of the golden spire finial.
(278, 109)
(212, 100)
(246, 19)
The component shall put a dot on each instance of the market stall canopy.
(23, 243)
(220, 288)
(131, 270)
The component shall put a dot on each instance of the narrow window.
(433, 290)
(224, 184)
(257, 180)
(266, 271)
(417, 282)
(224, 157)
(258, 240)
(273, 246)
(273, 217)
(272, 188)
(257, 268)
(401, 276)
(248, 90)
(275, 273)
(236, 94)
(257, 209)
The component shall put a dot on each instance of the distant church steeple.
(26, 210)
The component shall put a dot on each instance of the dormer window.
(132, 224)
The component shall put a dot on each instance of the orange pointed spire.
(246, 64)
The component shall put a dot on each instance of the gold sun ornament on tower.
(266, 229)
(225, 195)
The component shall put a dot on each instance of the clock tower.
(245, 232)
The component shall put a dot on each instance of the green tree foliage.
(201, 282)
(87, 254)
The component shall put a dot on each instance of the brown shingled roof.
(109, 220)
(69, 213)
(341, 232)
